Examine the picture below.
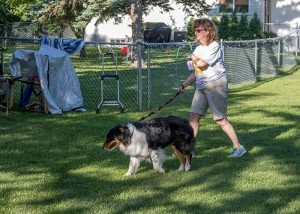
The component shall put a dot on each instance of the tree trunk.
(79, 33)
(136, 15)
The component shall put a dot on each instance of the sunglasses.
(199, 30)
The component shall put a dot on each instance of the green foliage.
(61, 14)
(21, 9)
(76, 14)
(216, 22)
(224, 27)
(233, 27)
(190, 36)
(243, 27)
(269, 34)
(6, 12)
(255, 29)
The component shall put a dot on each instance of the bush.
(190, 36)
(269, 34)
(224, 27)
(255, 29)
(233, 26)
(230, 28)
(243, 27)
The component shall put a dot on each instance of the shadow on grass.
(56, 165)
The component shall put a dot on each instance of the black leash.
(160, 107)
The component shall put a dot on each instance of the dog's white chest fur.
(138, 145)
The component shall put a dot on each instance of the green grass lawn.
(55, 164)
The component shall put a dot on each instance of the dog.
(147, 139)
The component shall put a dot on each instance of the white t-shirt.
(212, 54)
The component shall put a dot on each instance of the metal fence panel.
(148, 87)
(239, 63)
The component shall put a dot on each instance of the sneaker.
(238, 152)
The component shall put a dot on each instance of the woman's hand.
(190, 56)
(181, 88)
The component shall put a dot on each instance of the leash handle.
(162, 106)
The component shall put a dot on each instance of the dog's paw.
(181, 168)
(187, 167)
(129, 173)
(161, 170)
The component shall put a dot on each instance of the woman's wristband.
(182, 86)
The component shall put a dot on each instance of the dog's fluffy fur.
(147, 139)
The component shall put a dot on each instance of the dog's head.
(120, 134)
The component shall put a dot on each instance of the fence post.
(1, 59)
(297, 43)
(279, 54)
(222, 48)
(148, 77)
(255, 58)
(2, 49)
(139, 77)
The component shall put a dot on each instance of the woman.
(211, 83)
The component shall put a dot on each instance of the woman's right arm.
(200, 63)
(187, 82)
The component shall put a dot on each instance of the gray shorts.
(214, 96)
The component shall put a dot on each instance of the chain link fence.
(251, 61)
(281, 29)
(31, 30)
(145, 88)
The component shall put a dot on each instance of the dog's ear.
(122, 128)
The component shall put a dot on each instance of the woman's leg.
(229, 130)
(194, 122)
